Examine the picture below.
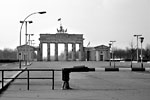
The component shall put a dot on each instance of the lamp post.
(142, 38)
(29, 38)
(42, 12)
(110, 55)
(131, 56)
(29, 52)
(26, 34)
(137, 46)
(112, 42)
(32, 44)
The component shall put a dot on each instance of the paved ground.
(8, 74)
(86, 86)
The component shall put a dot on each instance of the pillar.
(81, 55)
(56, 51)
(109, 55)
(97, 56)
(66, 51)
(41, 51)
(38, 53)
(48, 51)
(73, 51)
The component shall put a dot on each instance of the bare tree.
(147, 52)
(8, 54)
(132, 50)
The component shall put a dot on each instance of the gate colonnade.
(61, 38)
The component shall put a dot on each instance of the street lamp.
(26, 22)
(112, 42)
(132, 50)
(32, 44)
(26, 34)
(137, 45)
(110, 55)
(29, 38)
(142, 38)
(42, 12)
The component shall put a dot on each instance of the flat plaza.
(122, 85)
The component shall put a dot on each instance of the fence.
(66, 72)
(28, 75)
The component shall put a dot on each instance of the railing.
(28, 75)
(65, 73)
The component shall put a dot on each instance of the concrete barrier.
(121, 69)
(66, 72)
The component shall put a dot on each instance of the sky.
(100, 21)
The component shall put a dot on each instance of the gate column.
(81, 58)
(97, 56)
(41, 51)
(48, 51)
(66, 51)
(73, 51)
(56, 51)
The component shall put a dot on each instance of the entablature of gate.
(61, 38)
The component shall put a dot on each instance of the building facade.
(98, 53)
(25, 53)
(61, 37)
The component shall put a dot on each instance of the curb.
(121, 69)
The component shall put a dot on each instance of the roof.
(102, 47)
(23, 46)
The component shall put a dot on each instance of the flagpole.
(88, 44)
(60, 21)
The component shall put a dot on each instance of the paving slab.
(8, 74)
(86, 85)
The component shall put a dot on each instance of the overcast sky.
(99, 20)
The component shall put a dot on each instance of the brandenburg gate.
(64, 38)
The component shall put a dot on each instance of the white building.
(25, 53)
(98, 53)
